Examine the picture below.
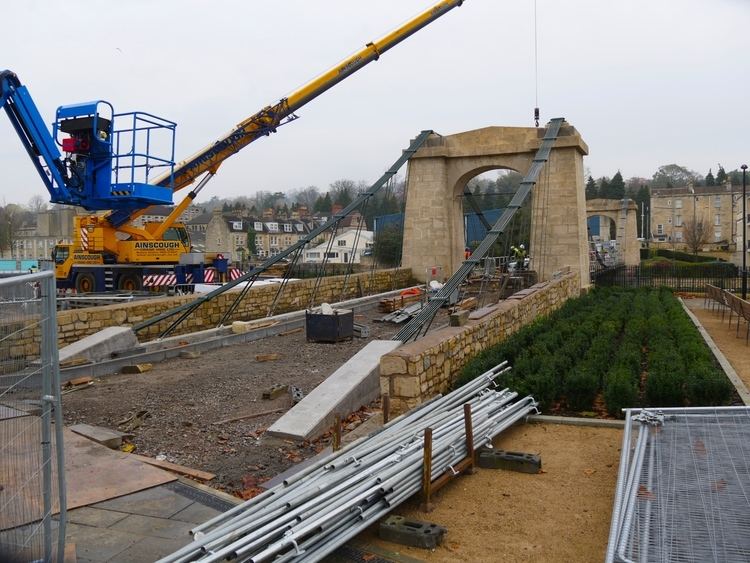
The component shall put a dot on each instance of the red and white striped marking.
(209, 276)
(159, 280)
(84, 239)
(235, 273)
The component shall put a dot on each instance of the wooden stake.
(337, 433)
(426, 505)
(386, 408)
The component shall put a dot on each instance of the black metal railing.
(690, 278)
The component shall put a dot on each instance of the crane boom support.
(269, 118)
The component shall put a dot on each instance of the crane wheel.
(85, 283)
(130, 282)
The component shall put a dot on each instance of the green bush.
(620, 391)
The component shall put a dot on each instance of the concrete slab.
(157, 501)
(196, 513)
(104, 436)
(98, 544)
(148, 549)
(153, 527)
(101, 345)
(354, 384)
(88, 516)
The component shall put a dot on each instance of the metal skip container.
(325, 324)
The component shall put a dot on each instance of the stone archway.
(438, 172)
(623, 212)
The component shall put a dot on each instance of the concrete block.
(189, 355)
(354, 384)
(100, 346)
(104, 436)
(459, 318)
(414, 533)
(512, 461)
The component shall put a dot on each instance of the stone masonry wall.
(76, 324)
(419, 370)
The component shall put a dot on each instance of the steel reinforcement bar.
(420, 324)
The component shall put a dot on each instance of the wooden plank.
(175, 468)
(249, 416)
(266, 357)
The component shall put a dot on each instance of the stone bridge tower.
(438, 172)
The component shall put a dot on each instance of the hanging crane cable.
(536, 70)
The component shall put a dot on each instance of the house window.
(717, 201)
(717, 235)
(313, 255)
(678, 204)
(678, 235)
(287, 227)
(717, 219)
(258, 226)
(273, 227)
(332, 254)
(236, 225)
(274, 240)
(341, 243)
(659, 229)
(678, 221)
(300, 227)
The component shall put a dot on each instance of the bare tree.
(696, 234)
(37, 204)
(306, 196)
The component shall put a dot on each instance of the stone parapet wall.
(419, 370)
(76, 324)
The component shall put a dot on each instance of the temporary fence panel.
(32, 483)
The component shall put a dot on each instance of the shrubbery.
(635, 347)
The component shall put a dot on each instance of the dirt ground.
(560, 515)
(184, 399)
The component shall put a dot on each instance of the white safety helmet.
(521, 247)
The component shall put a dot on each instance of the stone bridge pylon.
(438, 172)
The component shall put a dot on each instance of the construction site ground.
(176, 409)
(561, 514)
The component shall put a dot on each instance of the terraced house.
(675, 209)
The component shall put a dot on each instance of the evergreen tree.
(592, 191)
(710, 181)
(604, 187)
(617, 187)
(721, 176)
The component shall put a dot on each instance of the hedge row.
(636, 347)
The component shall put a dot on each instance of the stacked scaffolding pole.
(319, 508)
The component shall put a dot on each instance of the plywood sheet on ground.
(93, 472)
(561, 515)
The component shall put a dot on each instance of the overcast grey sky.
(646, 82)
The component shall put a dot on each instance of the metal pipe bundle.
(318, 509)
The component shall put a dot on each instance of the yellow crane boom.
(269, 118)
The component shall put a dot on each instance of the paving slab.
(196, 513)
(151, 526)
(148, 549)
(157, 501)
(353, 385)
(98, 544)
(96, 517)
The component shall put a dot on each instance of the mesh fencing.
(31, 470)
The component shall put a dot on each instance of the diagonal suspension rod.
(187, 309)
(421, 322)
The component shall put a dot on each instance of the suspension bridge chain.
(422, 321)
(184, 311)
